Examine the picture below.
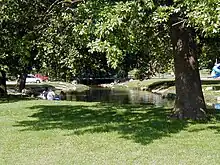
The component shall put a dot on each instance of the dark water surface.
(122, 96)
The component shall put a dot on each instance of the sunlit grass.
(49, 133)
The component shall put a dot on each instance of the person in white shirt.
(50, 95)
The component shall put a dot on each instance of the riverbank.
(154, 83)
(36, 88)
(166, 87)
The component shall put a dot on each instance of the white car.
(32, 79)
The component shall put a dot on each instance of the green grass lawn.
(40, 132)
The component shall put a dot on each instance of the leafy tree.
(186, 25)
(85, 37)
(22, 23)
(19, 20)
(154, 28)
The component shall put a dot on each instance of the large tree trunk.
(189, 103)
(22, 82)
(3, 88)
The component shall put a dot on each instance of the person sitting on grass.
(50, 95)
(62, 96)
(43, 95)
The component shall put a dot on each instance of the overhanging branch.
(177, 23)
(58, 2)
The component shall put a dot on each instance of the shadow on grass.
(143, 124)
(14, 98)
(211, 124)
(215, 116)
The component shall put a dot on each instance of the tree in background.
(87, 36)
(20, 22)
(159, 30)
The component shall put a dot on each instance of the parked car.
(43, 78)
(33, 79)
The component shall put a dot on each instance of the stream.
(120, 96)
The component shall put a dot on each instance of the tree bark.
(189, 103)
(22, 82)
(3, 87)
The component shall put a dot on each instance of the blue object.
(216, 71)
(56, 98)
(217, 106)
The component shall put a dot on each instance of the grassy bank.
(164, 86)
(155, 82)
(52, 132)
(56, 86)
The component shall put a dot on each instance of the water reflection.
(137, 97)
(97, 94)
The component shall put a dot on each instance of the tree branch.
(58, 2)
(51, 7)
(178, 23)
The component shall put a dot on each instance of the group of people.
(48, 94)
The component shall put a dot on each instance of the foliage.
(113, 30)
(204, 15)
(19, 22)
(210, 53)
(67, 38)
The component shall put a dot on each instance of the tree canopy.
(133, 31)
(104, 37)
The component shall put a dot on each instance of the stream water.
(122, 96)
